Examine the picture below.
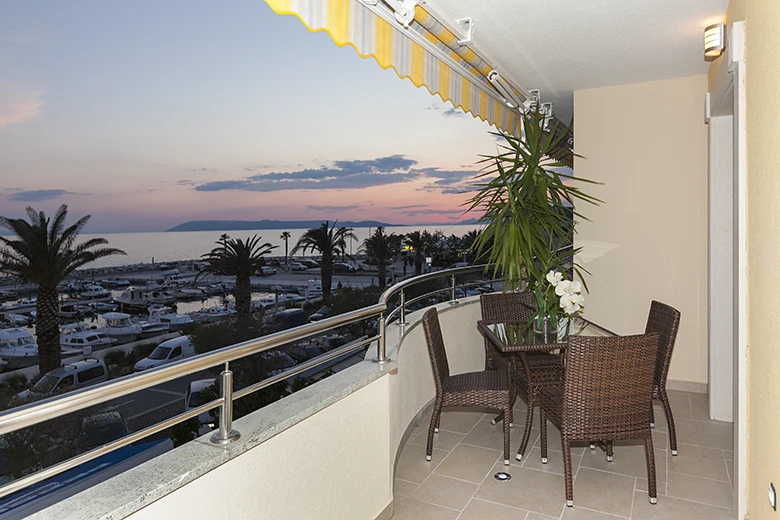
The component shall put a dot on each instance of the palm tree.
(285, 236)
(223, 238)
(44, 252)
(241, 259)
(380, 247)
(420, 243)
(330, 241)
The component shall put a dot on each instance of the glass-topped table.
(519, 336)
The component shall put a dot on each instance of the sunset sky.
(147, 114)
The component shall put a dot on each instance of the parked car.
(68, 377)
(100, 429)
(290, 318)
(341, 267)
(194, 397)
(267, 271)
(167, 352)
(297, 266)
(311, 264)
(321, 314)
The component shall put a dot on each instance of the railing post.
(402, 312)
(454, 299)
(381, 355)
(226, 434)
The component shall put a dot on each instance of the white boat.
(72, 328)
(119, 326)
(191, 293)
(270, 301)
(164, 315)
(133, 300)
(24, 303)
(312, 289)
(15, 320)
(94, 293)
(101, 307)
(151, 329)
(213, 314)
(89, 338)
(74, 310)
(18, 348)
(161, 297)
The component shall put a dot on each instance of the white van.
(167, 352)
(68, 377)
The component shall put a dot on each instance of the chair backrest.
(435, 341)
(663, 320)
(608, 385)
(510, 306)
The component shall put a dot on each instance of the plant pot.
(547, 331)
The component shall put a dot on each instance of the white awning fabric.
(426, 53)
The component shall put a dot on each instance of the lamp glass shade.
(714, 40)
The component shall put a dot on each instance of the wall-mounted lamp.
(714, 40)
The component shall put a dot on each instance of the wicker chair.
(665, 321)
(486, 389)
(607, 384)
(544, 369)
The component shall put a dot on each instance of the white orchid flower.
(578, 299)
(562, 287)
(571, 309)
(566, 300)
(554, 277)
(574, 287)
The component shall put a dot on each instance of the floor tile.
(528, 489)
(411, 509)
(459, 421)
(444, 491)
(660, 485)
(404, 488)
(443, 440)
(486, 435)
(699, 462)
(604, 492)
(554, 441)
(469, 463)
(681, 404)
(713, 434)
(628, 459)
(537, 516)
(554, 462)
(730, 470)
(728, 454)
(712, 492)
(700, 407)
(577, 513)
(669, 508)
(412, 465)
(481, 510)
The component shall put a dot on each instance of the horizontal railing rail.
(59, 406)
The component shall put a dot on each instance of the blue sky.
(146, 114)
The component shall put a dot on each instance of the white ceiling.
(559, 46)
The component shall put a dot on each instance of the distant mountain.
(468, 222)
(237, 225)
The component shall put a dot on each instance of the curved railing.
(59, 406)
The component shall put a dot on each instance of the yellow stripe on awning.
(455, 73)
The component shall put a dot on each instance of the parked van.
(68, 377)
(167, 352)
(289, 318)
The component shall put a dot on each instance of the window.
(66, 384)
(90, 374)
(160, 353)
(176, 352)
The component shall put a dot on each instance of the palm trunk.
(285, 252)
(418, 261)
(326, 275)
(48, 329)
(243, 296)
(382, 268)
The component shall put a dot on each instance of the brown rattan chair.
(607, 384)
(544, 369)
(486, 389)
(665, 321)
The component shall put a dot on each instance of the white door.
(728, 255)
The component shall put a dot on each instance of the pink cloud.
(18, 105)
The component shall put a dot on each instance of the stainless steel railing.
(59, 406)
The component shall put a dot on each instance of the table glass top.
(522, 333)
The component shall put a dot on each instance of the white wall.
(647, 144)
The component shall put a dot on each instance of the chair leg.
(438, 422)
(431, 428)
(652, 415)
(669, 421)
(543, 426)
(529, 419)
(507, 432)
(566, 446)
(609, 451)
(649, 455)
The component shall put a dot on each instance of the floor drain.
(502, 476)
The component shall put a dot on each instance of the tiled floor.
(458, 483)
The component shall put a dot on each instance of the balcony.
(352, 446)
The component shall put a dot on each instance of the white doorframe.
(726, 104)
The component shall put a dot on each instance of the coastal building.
(686, 151)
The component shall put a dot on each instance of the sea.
(169, 246)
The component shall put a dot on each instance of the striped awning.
(426, 53)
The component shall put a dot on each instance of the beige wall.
(762, 81)
(647, 144)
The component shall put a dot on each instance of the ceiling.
(559, 46)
